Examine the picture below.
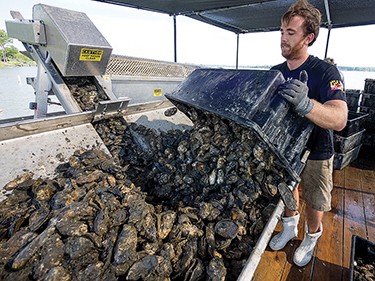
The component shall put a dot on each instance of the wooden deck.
(353, 212)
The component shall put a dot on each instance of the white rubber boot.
(289, 231)
(304, 252)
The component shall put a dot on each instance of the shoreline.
(3, 64)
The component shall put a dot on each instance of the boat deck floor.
(353, 213)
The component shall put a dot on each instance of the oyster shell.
(183, 205)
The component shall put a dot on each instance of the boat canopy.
(248, 16)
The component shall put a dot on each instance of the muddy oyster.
(182, 205)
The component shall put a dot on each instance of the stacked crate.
(353, 99)
(367, 105)
(348, 142)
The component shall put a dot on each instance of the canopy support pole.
(327, 43)
(328, 13)
(238, 45)
(175, 37)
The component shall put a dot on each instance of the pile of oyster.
(85, 92)
(364, 269)
(176, 205)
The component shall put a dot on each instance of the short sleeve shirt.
(324, 82)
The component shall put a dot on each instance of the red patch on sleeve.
(336, 85)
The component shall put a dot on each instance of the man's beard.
(291, 52)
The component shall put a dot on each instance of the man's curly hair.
(311, 15)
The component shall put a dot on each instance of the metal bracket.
(27, 31)
(16, 15)
(106, 109)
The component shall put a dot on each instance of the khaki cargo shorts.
(316, 182)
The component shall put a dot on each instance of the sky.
(137, 33)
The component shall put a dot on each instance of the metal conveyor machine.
(64, 44)
(70, 52)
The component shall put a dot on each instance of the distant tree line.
(356, 68)
(9, 53)
(4, 41)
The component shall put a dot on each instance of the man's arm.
(331, 115)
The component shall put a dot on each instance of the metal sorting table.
(41, 150)
(41, 145)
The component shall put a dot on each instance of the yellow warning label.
(90, 54)
(157, 93)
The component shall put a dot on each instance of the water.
(15, 94)
(356, 79)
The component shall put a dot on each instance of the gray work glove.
(295, 91)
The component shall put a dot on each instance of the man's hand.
(295, 91)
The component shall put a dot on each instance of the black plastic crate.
(344, 144)
(249, 98)
(368, 139)
(352, 98)
(369, 125)
(370, 86)
(368, 100)
(370, 111)
(362, 253)
(354, 123)
(369, 122)
(341, 160)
